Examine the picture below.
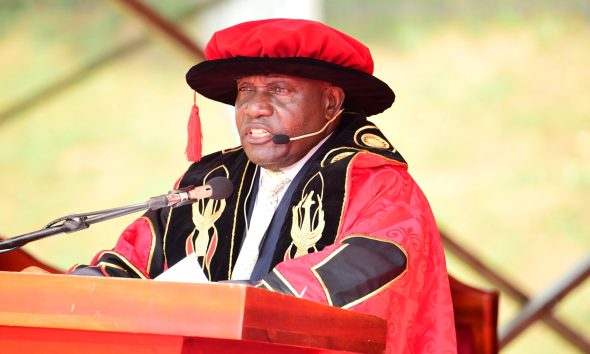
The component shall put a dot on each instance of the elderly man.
(323, 206)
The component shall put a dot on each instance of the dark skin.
(267, 105)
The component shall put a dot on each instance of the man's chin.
(270, 165)
(261, 156)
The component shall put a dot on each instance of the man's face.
(268, 105)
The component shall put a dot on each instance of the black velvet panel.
(361, 268)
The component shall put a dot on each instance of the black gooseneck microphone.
(216, 188)
(285, 139)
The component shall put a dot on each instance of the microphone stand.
(70, 223)
(218, 188)
(76, 222)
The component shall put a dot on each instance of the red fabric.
(287, 38)
(135, 244)
(385, 202)
(194, 145)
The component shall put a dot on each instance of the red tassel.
(194, 146)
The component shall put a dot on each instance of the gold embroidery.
(371, 140)
(222, 167)
(329, 154)
(341, 156)
(305, 230)
(359, 130)
(307, 225)
(205, 213)
(375, 141)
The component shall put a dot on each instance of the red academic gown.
(379, 253)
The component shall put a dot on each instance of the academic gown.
(353, 230)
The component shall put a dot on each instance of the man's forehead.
(267, 78)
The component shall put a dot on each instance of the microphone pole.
(217, 188)
(68, 224)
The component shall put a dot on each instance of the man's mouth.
(259, 133)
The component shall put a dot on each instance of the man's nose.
(258, 105)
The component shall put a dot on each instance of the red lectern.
(74, 314)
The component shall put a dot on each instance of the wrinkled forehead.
(273, 78)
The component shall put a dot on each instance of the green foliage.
(406, 23)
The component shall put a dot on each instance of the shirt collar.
(291, 171)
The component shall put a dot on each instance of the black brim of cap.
(216, 79)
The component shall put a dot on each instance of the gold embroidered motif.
(307, 225)
(355, 138)
(375, 141)
(368, 139)
(335, 153)
(341, 156)
(205, 213)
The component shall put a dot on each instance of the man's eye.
(244, 88)
(279, 89)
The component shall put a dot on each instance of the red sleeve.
(388, 260)
(131, 256)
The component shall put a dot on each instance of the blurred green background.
(492, 114)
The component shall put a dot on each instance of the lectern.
(74, 314)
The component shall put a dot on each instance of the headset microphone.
(285, 139)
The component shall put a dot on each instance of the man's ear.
(334, 100)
